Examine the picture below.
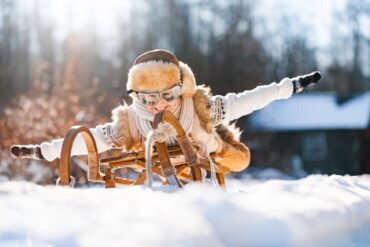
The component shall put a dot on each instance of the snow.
(318, 210)
(314, 111)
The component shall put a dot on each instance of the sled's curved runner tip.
(94, 174)
(174, 165)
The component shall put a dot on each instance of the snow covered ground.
(315, 211)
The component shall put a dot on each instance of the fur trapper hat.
(158, 70)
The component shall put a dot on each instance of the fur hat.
(158, 70)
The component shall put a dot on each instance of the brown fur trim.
(234, 155)
(159, 75)
(120, 121)
(188, 80)
(153, 76)
(202, 106)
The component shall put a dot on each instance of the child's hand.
(300, 82)
(27, 152)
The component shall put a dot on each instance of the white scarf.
(184, 112)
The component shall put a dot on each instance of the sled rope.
(148, 156)
(161, 134)
(203, 150)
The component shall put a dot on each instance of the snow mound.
(315, 211)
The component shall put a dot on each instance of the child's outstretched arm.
(50, 150)
(237, 105)
(115, 134)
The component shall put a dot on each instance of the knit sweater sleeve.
(233, 106)
(105, 136)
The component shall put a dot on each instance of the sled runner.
(174, 166)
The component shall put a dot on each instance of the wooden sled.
(174, 166)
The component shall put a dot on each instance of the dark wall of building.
(365, 151)
(342, 154)
(326, 152)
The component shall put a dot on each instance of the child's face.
(162, 104)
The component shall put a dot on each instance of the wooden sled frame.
(189, 169)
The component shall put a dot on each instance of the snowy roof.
(313, 111)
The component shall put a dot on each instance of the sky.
(312, 19)
(311, 16)
(83, 15)
(70, 15)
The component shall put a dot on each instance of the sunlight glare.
(75, 16)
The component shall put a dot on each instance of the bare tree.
(347, 71)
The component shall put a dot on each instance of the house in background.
(313, 131)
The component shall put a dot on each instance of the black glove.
(300, 82)
(27, 152)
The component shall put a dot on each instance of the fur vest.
(231, 154)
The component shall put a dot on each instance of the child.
(157, 81)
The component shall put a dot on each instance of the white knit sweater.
(224, 108)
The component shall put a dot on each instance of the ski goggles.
(152, 98)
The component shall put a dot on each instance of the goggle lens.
(152, 98)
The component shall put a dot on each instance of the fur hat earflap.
(158, 70)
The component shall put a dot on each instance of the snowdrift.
(315, 211)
